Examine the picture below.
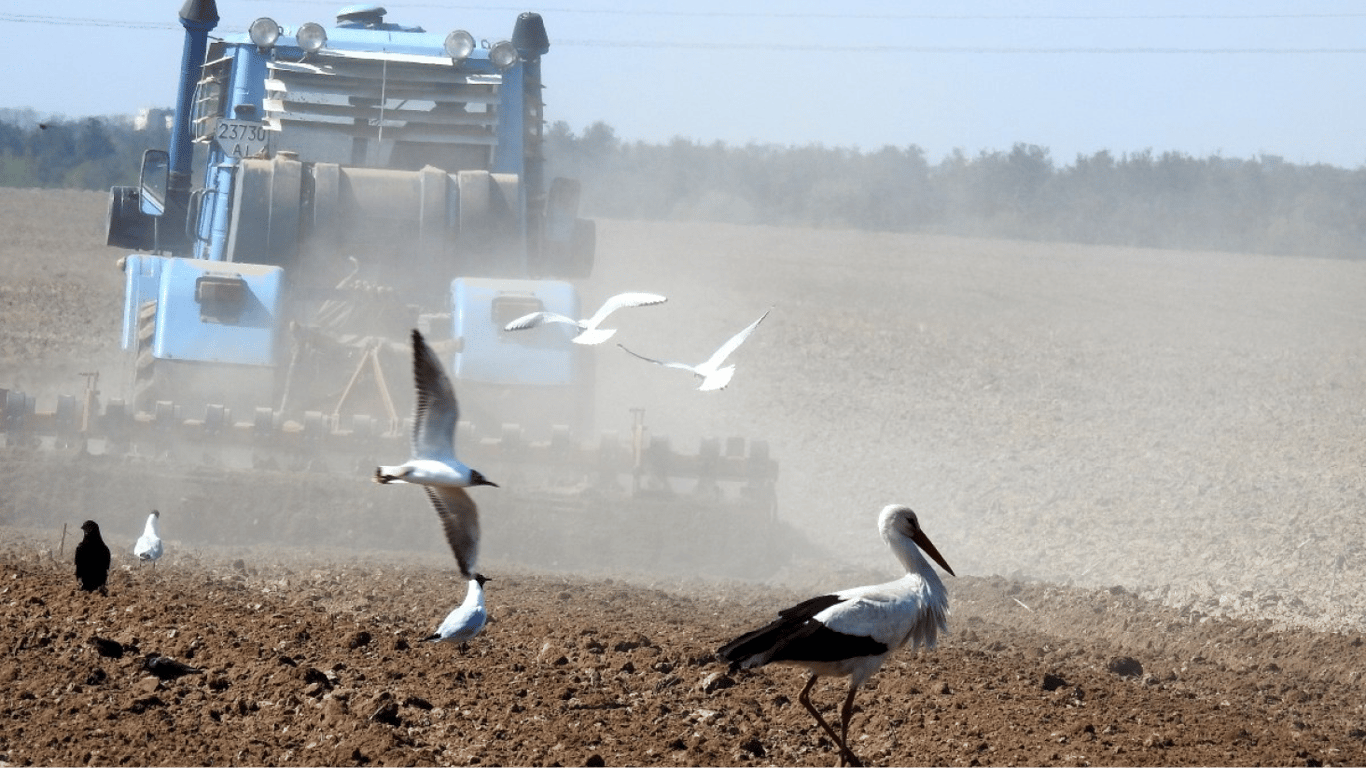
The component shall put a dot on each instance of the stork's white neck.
(912, 559)
(915, 563)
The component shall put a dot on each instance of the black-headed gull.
(468, 619)
(433, 464)
(92, 558)
(711, 373)
(589, 332)
(851, 632)
(149, 547)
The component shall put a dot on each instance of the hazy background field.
(1189, 423)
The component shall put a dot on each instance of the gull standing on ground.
(92, 558)
(711, 373)
(589, 332)
(468, 619)
(433, 464)
(149, 543)
(851, 632)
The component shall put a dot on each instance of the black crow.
(92, 558)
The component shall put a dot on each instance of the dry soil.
(1146, 467)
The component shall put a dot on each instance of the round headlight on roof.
(503, 54)
(459, 45)
(311, 36)
(264, 32)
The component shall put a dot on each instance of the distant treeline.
(85, 153)
(1168, 200)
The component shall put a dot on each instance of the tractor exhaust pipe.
(198, 17)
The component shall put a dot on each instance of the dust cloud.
(1186, 424)
(1179, 422)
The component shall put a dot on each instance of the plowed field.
(1147, 468)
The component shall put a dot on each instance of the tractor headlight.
(459, 45)
(264, 32)
(503, 54)
(311, 36)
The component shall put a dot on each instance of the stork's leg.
(845, 712)
(805, 698)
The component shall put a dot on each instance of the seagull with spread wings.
(711, 373)
(589, 332)
(434, 465)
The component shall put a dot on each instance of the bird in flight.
(711, 373)
(589, 332)
(149, 547)
(850, 633)
(92, 558)
(433, 464)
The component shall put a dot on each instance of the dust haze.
(1186, 424)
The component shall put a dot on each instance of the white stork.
(711, 373)
(589, 332)
(434, 464)
(853, 631)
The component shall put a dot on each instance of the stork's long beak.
(923, 541)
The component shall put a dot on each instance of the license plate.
(241, 138)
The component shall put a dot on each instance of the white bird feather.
(434, 464)
(851, 633)
(711, 373)
(468, 619)
(589, 332)
(149, 547)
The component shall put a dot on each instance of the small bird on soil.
(149, 548)
(852, 632)
(434, 464)
(711, 373)
(467, 620)
(168, 668)
(92, 558)
(589, 332)
(111, 649)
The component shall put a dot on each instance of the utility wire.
(18, 18)
(881, 16)
(949, 49)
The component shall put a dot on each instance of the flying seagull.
(711, 373)
(434, 465)
(851, 632)
(467, 620)
(589, 332)
(149, 546)
(92, 558)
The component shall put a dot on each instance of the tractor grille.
(396, 98)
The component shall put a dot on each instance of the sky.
(1236, 79)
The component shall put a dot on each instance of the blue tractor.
(358, 180)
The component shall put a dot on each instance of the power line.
(65, 21)
(947, 49)
(808, 48)
(882, 16)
